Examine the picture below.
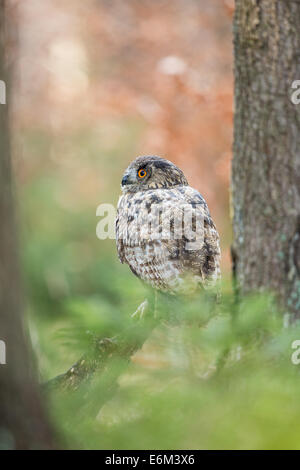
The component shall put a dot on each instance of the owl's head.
(151, 172)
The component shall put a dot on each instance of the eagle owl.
(164, 230)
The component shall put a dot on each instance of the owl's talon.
(140, 311)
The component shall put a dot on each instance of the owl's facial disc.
(133, 177)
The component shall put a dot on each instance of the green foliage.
(228, 384)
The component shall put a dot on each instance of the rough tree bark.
(23, 424)
(266, 163)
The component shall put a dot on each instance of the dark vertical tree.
(23, 424)
(266, 163)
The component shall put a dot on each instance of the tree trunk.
(22, 420)
(266, 163)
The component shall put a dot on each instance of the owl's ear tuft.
(161, 164)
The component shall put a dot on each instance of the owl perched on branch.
(164, 231)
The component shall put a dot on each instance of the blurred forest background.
(97, 83)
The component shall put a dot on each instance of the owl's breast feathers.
(168, 238)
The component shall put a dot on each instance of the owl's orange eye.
(142, 173)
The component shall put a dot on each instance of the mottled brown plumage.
(164, 230)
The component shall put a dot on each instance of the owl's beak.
(128, 178)
(125, 180)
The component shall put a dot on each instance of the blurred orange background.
(99, 82)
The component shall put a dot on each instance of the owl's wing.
(198, 250)
(191, 252)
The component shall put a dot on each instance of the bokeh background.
(95, 84)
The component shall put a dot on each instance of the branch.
(104, 352)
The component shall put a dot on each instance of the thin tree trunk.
(266, 163)
(23, 424)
